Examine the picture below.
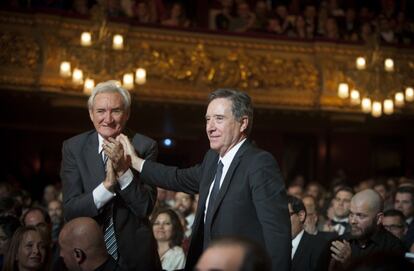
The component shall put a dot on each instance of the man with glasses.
(394, 222)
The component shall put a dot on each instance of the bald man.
(82, 246)
(367, 235)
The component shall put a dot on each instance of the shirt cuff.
(125, 179)
(101, 196)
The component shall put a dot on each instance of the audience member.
(340, 207)
(82, 246)
(184, 204)
(245, 19)
(404, 202)
(394, 222)
(55, 212)
(28, 251)
(177, 17)
(234, 254)
(8, 225)
(169, 234)
(367, 235)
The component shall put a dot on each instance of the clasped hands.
(341, 250)
(121, 156)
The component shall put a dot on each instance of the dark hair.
(9, 224)
(296, 203)
(394, 212)
(10, 263)
(408, 190)
(45, 214)
(177, 229)
(255, 257)
(241, 104)
(346, 189)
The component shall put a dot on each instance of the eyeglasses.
(393, 227)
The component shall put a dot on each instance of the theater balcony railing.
(182, 66)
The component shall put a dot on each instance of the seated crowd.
(332, 229)
(333, 20)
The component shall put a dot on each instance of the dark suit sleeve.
(76, 201)
(138, 196)
(269, 198)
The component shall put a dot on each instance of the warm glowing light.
(388, 106)
(343, 90)
(118, 42)
(86, 39)
(376, 109)
(409, 94)
(65, 69)
(128, 81)
(361, 63)
(355, 98)
(389, 65)
(140, 76)
(77, 76)
(366, 105)
(88, 86)
(399, 99)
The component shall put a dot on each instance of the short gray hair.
(241, 104)
(111, 86)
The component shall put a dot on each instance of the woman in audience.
(177, 17)
(28, 251)
(8, 225)
(169, 234)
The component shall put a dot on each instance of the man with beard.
(367, 235)
(184, 205)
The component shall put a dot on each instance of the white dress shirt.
(101, 195)
(295, 242)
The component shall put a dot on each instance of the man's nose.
(108, 117)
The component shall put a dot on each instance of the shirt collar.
(346, 219)
(296, 240)
(228, 157)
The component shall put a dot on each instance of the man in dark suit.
(241, 190)
(112, 194)
(307, 249)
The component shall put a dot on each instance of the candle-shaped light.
(409, 94)
(86, 39)
(65, 69)
(128, 81)
(361, 63)
(118, 42)
(388, 106)
(88, 86)
(77, 76)
(366, 105)
(399, 99)
(140, 76)
(355, 97)
(343, 90)
(376, 109)
(389, 65)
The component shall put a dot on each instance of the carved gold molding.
(182, 66)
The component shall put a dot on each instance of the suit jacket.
(83, 170)
(308, 253)
(251, 201)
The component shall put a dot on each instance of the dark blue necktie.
(212, 199)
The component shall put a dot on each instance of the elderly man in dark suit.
(241, 190)
(98, 183)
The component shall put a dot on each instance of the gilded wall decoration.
(18, 51)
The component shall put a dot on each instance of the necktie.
(213, 195)
(342, 223)
(109, 234)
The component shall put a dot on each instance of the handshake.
(121, 157)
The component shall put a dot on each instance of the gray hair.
(111, 86)
(241, 104)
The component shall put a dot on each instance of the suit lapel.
(94, 160)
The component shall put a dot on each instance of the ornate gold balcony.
(182, 66)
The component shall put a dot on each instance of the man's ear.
(379, 217)
(90, 114)
(244, 123)
(79, 255)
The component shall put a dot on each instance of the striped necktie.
(109, 234)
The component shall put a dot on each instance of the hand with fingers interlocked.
(110, 178)
(341, 250)
(115, 152)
